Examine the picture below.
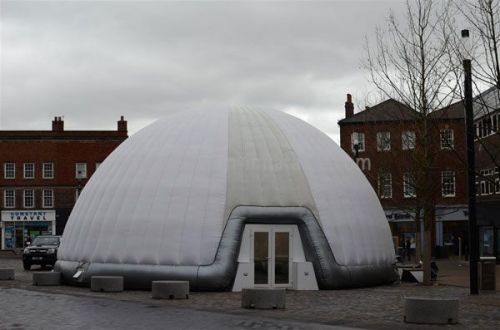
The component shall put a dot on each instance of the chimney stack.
(57, 124)
(349, 107)
(122, 125)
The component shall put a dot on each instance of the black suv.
(42, 252)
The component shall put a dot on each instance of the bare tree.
(409, 62)
(483, 16)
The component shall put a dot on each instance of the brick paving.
(370, 308)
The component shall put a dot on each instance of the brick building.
(42, 173)
(384, 140)
(487, 144)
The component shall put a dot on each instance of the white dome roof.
(164, 195)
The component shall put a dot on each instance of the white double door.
(271, 247)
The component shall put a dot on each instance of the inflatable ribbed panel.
(171, 202)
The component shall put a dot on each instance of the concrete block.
(170, 289)
(263, 298)
(6, 274)
(106, 283)
(46, 278)
(423, 310)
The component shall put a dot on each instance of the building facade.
(42, 174)
(385, 141)
(487, 145)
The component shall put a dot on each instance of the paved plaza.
(368, 308)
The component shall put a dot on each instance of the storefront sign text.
(35, 215)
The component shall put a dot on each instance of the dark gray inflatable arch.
(220, 274)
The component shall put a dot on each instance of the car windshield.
(46, 241)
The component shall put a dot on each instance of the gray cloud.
(92, 61)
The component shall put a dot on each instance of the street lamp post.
(471, 175)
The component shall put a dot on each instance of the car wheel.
(26, 266)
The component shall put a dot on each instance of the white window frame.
(408, 140)
(27, 168)
(48, 195)
(482, 188)
(384, 141)
(81, 173)
(7, 205)
(359, 139)
(409, 189)
(26, 205)
(447, 139)
(448, 189)
(7, 171)
(46, 172)
(382, 185)
(497, 186)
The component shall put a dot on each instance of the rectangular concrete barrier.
(170, 289)
(6, 274)
(46, 278)
(263, 298)
(424, 310)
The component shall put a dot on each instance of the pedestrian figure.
(408, 248)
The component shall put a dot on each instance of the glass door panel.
(261, 257)
(281, 257)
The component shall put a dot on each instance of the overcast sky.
(92, 61)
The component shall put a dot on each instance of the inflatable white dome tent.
(229, 199)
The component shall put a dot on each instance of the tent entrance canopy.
(267, 256)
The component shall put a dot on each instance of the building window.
(358, 139)
(9, 198)
(9, 170)
(385, 185)
(408, 140)
(29, 198)
(48, 170)
(81, 170)
(486, 127)
(48, 198)
(29, 170)
(383, 141)
(447, 141)
(494, 124)
(409, 189)
(448, 183)
(497, 186)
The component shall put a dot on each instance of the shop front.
(488, 221)
(21, 226)
(450, 234)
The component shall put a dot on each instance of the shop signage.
(365, 164)
(29, 215)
